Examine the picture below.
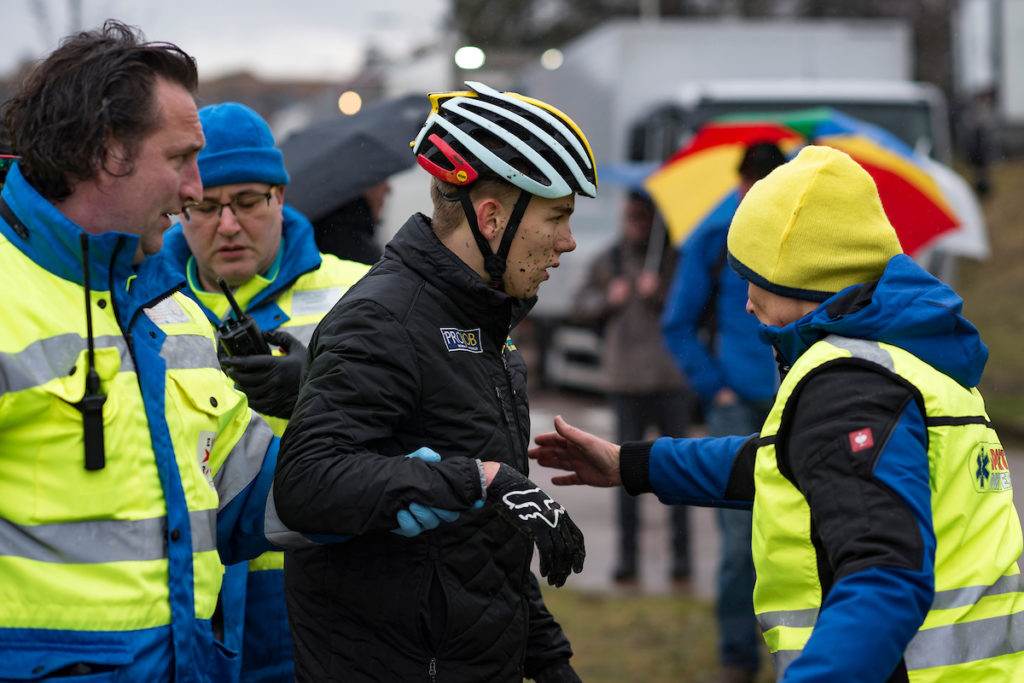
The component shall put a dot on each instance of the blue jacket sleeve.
(247, 520)
(243, 484)
(689, 294)
(714, 472)
(871, 509)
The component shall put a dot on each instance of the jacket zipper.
(434, 554)
(512, 399)
(126, 333)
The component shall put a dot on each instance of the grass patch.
(991, 291)
(640, 638)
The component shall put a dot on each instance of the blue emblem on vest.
(982, 473)
(462, 340)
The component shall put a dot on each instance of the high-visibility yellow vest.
(974, 630)
(86, 549)
(116, 567)
(297, 310)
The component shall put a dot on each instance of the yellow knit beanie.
(812, 227)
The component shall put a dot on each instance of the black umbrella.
(333, 162)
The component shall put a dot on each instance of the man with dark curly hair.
(131, 466)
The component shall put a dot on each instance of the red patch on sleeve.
(861, 439)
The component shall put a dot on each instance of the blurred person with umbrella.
(622, 297)
(886, 540)
(340, 170)
(417, 356)
(241, 230)
(714, 341)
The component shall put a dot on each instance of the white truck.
(638, 88)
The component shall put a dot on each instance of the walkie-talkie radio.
(240, 335)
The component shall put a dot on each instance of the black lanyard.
(12, 220)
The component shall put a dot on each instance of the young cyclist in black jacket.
(416, 359)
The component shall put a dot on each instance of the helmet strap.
(494, 263)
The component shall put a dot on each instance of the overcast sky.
(293, 38)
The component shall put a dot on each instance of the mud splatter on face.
(542, 238)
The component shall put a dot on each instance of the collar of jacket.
(300, 256)
(53, 244)
(908, 307)
(418, 248)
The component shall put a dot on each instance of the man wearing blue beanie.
(242, 231)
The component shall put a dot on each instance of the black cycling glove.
(557, 672)
(270, 382)
(531, 511)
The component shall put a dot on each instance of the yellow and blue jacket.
(885, 536)
(116, 570)
(299, 289)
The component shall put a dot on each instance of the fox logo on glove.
(530, 509)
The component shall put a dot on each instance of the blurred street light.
(350, 102)
(469, 57)
(551, 59)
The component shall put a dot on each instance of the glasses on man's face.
(242, 205)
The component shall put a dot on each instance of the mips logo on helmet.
(530, 509)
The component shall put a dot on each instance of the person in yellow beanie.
(885, 536)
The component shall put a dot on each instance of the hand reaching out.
(591, 460)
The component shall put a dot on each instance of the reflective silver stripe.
(860, 348)
(188, 351)
(315, 301)
(959, 597)
(102, 540)
(966, 642)
(275, 530)
(797, 618)
(204, 530)
(304, 333)
(781, 661)
(47, 359)
(244, 461)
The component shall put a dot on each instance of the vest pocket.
(99, 659)
(63, 489)
(205, 405)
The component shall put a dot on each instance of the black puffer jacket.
(415, 354)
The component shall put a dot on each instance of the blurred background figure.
(715, 342)
(982, 143)
(623, 297)
(340, 169)
(349, 232)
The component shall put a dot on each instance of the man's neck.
(82, 207)
(461, 243)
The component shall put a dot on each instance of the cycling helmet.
(523, 141)
(540, 149)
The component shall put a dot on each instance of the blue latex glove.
(419, 518)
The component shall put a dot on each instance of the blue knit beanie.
(239, 147)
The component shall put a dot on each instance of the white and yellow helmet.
(524, 141)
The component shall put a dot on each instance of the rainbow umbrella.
(702, 175)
